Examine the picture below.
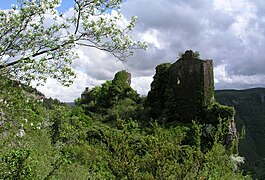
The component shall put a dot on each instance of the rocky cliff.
(250, 117)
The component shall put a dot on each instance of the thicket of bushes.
(47, 140)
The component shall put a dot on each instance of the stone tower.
(192, 84)
(182, 91)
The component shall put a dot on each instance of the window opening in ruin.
(178, 81)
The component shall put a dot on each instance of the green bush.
(15, 165)
(62, 142)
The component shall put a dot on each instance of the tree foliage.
(110, 95)
(37, 42)
(62, 142)
(195, 54)
(250, 112)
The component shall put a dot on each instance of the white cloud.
(231, 32)
(67, 94)
(141, 84)
(151, 37)
(224, 80)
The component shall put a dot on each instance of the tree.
(32, 48)
(195, 54)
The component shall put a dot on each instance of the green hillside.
(250, 115)
(46, 139)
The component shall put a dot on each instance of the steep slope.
(250, 114)
(54, 141)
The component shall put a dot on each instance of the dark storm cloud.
(144, 62)
(230, 32)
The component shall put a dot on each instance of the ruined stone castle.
(183, 90)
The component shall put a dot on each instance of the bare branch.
(33, 55)
(78, 16)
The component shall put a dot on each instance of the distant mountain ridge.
(250, 114)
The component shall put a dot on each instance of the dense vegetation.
(38, 42)
(46, 139)
(109, 133)
(250, 113)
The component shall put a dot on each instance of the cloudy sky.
(231, 32)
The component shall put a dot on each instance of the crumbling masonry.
(182, 91)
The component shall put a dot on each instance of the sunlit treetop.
(37, 42)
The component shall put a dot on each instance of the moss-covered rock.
(109, 94)
(158, 93)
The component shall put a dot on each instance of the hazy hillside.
(250, 113)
